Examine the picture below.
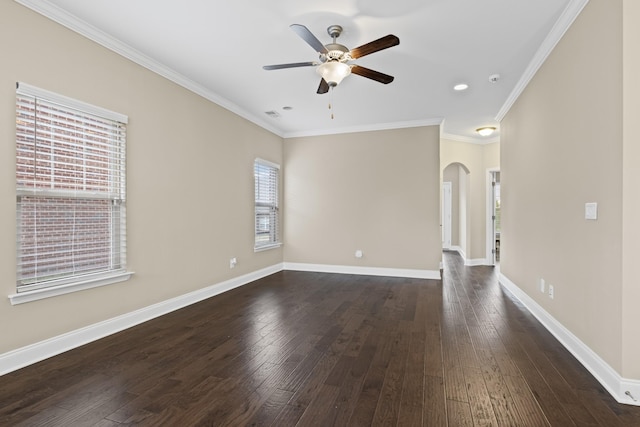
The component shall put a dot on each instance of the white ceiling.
(218, 49)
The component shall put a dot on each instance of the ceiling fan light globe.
(333, 72)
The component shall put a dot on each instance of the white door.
(446, 215)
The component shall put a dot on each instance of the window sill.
(266, 247)
(94, 282)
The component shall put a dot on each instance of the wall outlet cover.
(591, 210)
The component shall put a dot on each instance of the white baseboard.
(459, 250)
(19, 358)
(468, 262)
(622, 389)
(367, 271)
(28, 355)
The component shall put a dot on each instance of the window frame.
(266, 223)
(31, 193)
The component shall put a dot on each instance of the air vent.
(272, 114)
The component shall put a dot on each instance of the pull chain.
(331, 101)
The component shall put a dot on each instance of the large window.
(70, 188)
(266, 204)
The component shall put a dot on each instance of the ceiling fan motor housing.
(337, 52)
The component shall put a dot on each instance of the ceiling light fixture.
(461, 86)
(333, 72)
(486, 131)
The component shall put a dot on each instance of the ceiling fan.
(334, 65)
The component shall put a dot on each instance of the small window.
(266, 204)
(70, 188)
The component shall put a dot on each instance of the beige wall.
(190, 178)
(562, 147)
(630, 193)
(374, 191)
(491, 155)
(476, 159)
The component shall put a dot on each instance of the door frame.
(447, 206)
(490, 225)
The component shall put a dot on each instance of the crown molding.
(468, 139)
(561, 26)
(77, 25)
(71, 22)
(437, 121)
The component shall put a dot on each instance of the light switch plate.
(590, 211)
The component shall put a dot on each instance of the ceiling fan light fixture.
(333, 72)
(486, 131)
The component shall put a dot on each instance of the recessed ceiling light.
(287, 108)
(486, 131)
(461, 86)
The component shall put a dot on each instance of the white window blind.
(266, 204)
(70, 188)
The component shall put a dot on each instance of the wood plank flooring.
(316, 349)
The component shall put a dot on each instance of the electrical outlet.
(542, 286)
(551, 291)
(359, 253)
(232, 262)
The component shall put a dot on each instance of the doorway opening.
(493, 217)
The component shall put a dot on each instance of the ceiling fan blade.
(323, 88)
(371, 74)
(308, 36)
(292, 65)
(375, 46)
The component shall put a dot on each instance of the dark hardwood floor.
(321, 349)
